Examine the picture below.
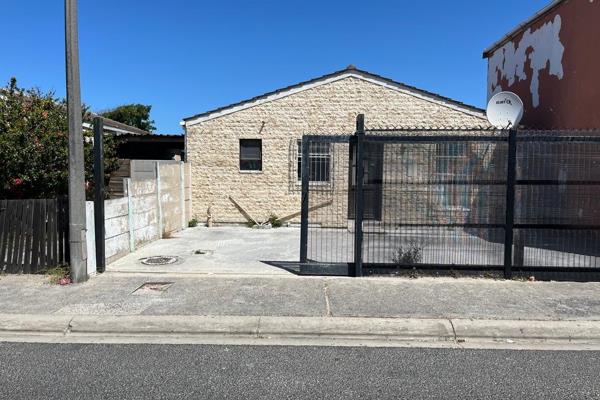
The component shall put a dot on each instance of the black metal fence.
(460, 199)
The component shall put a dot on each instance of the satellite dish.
(505, 110)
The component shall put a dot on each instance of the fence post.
(359, 196)
(158, 200)
(99, 194)
(510, 203)
(305, 197)
(130, 212)
(182, 194)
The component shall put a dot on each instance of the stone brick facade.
(327, 106)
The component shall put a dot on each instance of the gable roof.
(350, 71)
(519, 28)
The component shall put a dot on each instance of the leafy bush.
(275, 221)
(34, 145)
(411, 253)
(193, 223)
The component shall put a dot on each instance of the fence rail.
(33, 234)
(453, 199)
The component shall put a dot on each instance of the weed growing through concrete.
(411, 253)
(57, 275)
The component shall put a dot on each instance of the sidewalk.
(437, 309)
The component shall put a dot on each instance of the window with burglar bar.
(319, 162)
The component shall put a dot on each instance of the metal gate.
(385, 200)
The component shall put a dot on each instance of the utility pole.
(77, 228)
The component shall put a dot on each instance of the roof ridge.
(352, 70)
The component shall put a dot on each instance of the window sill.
(315, 183)
(242, 171)
(449, 208)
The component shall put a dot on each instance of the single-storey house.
(244, 156)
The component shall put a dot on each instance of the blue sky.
(187, 56)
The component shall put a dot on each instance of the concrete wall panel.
(141, 207)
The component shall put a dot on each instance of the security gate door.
(373, 181)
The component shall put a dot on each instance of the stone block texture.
(213, 144)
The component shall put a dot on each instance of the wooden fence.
(33, 234)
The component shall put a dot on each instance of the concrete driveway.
(218, 250)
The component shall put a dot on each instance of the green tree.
(137, 115)
(34, 145)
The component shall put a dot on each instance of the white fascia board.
(117, 131)
(277, 96)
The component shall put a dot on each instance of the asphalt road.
(77, 371)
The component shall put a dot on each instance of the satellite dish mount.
(505, 110)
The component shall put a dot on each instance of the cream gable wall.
(330, 108)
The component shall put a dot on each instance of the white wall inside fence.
(139, 217)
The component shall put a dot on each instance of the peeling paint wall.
(541, 47)
(553, 64)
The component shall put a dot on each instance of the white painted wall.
(133, 220)
(89, 238)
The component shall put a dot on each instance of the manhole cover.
(159, 260)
